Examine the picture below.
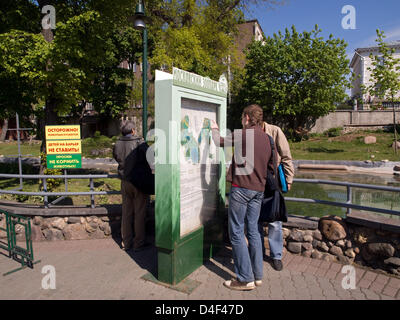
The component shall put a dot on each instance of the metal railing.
(16, 252)
(348, 204)
(46, 194)
(92, 193)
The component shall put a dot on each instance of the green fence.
(16, 252)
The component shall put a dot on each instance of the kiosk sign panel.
(189, 171)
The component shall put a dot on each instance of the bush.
(333, 132)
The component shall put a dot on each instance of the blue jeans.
(244, 209)
(275, 239)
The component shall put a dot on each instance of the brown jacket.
(248, 170)
(284, 156)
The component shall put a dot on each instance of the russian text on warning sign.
(60, 147)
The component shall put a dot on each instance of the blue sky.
(304, 14)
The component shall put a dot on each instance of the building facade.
(360, 63)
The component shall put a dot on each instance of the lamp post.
(139, 23)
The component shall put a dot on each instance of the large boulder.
(382, 250)
(296, 235)
(397, 143)
(37, 234)
(58, 223)
(75, 232)
(333, 228)
(369, 140)
(294, 247)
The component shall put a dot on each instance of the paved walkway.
(99, 269)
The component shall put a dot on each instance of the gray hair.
(127, 128)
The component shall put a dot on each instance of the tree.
(295, 77)
(385, 76)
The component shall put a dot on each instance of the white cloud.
(391, 35)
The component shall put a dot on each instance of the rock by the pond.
(341, 243)
(335, 250)
(396, 168)
(384, 250)
(294, 247)
(58, 223)
(307, 246)
(75, 232)
(308, 238)
(317, 235)
(369, 139)
(332, 228)
(36, 234)
(350, 253)
(343, 259)
(307, 253)
(52, 234)
(328, 257)
(296, 235)
(366, 255)
(316, 243)
(394, 262)
(316, 254)
(323, 247)
(397, 143)
(74, 220)
(349, 244)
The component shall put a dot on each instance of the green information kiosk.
(189, 172)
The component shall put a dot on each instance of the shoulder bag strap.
(271, 140)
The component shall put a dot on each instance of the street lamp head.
(139, 19)
(139, 23)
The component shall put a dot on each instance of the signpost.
(63, 147)
(190, 172)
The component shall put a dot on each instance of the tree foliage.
(80, 59)
(385, 75)
(296, 78)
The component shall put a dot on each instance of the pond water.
(366, 197)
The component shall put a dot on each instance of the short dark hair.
(127, 128)
(255, 113)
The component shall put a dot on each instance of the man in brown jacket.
(247, 173)
(275, 234)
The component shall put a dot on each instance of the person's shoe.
(126, 248)
(237, 285)
(258, 283)
(278, 266)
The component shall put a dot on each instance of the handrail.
(45, 194)
(349, 205)
(349, 185)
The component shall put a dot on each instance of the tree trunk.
(4, 130)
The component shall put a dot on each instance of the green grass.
(75, 185)
(349, 146)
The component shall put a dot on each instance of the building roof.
(392, 44)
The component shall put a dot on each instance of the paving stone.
(394, 282)
(390, 291)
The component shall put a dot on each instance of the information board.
(198, 167)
